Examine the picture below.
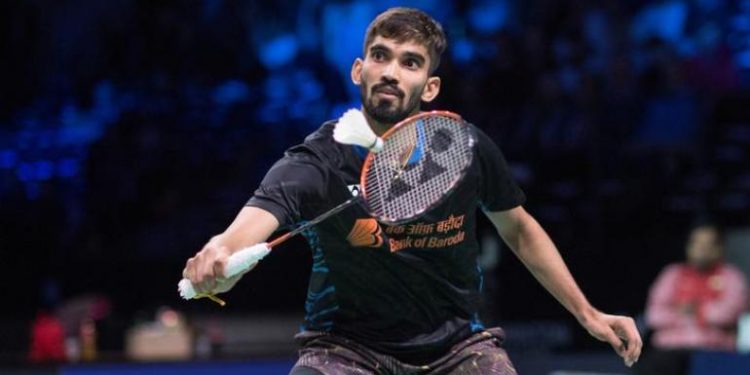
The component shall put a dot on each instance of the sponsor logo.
(354, 189)
(365, 233)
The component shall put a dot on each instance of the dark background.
(132, 130)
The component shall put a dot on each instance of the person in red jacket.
(47, 339)
(695, 305)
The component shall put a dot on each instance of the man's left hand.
(618, 331)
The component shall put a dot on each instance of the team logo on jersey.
(365, 233)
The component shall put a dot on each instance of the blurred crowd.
(131, 130)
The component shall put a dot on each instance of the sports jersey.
(409, 290)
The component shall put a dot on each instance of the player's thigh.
(334, 357)
(327, 364)
(484, 359)
(302, 370)
(480, 354)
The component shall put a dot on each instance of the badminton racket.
(412, 168)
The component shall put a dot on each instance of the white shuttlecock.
(353, 129)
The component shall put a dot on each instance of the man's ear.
(357, 71)
(431, 89)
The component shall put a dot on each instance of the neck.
(381, 127)
(378, 127)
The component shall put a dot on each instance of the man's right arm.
(205, 269)
(278, 201)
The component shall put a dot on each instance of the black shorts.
(325, 353)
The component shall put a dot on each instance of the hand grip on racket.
(237, 263)
(243, 259)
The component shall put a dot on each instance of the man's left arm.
(535, 249)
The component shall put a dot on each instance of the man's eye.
(378, 55)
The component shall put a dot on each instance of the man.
(373, 307)
(694, 305)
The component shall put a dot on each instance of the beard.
(386, 111)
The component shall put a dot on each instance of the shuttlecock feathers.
(353, 129)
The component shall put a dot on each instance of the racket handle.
(237, 263)
(242, 260)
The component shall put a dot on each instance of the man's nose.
(390, 73)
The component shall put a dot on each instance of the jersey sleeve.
(290, 189)
(497, 189)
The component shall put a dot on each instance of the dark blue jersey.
(409, 290)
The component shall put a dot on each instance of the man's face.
(393, 79)
(704, 248)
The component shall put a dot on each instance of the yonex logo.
(440, 142)
(354, 189)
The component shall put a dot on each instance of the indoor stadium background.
(133, 130)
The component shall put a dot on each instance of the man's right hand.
(206, 270)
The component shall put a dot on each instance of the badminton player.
(399, 299)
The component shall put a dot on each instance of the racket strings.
(420, 162)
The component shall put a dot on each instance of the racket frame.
(371, 157)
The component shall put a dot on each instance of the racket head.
(424, 157)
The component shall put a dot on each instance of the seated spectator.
(694, 305)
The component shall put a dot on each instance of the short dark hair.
(408, 24)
